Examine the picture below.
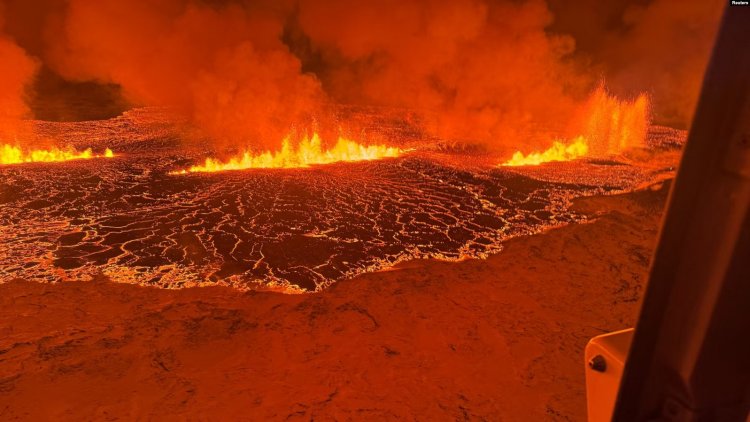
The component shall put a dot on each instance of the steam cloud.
(501, 72)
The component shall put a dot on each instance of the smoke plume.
(16, 73)
(485, 71)
(504, 73)
(223, 65)
(660, 47)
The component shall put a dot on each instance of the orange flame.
(10, 154)
(608, 126)
(308, 152)
(558, 152)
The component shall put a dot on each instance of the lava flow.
(308, 152)
(10, 154)
(288, 230)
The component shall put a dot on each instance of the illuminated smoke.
(222, 65)
(485, 71)
(503, 73)
(659, 46)
(16, 73)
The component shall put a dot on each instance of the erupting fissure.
(307, 152)
(607, 126)
(558, 152)
(10, 154)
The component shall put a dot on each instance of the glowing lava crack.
(10, 154)
(558, 152)
(308, 152)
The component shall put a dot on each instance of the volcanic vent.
(290, 145)
(134, 219)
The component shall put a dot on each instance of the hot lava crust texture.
(292, 230)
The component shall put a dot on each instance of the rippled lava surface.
(299, 229)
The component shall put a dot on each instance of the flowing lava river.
(292, 230)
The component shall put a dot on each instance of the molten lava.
(10, 154)
(607, 126)
(558, 152)
(612, 125)
(308, 152)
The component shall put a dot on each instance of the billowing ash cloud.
(501, 72)
(224, 66)
(488, 71)
(16, 73)
(659, 46)
(664, 48)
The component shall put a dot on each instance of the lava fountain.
(10, 154)
(607, 126)
(558, 152)
(309, 151)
